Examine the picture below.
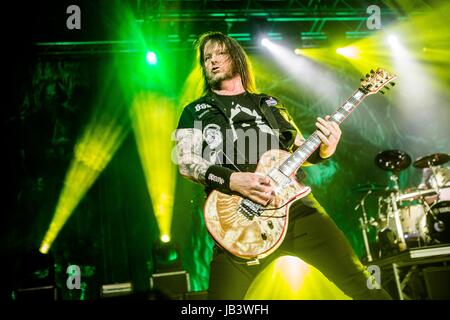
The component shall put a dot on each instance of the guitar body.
(258, 237)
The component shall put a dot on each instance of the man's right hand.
(253, 186)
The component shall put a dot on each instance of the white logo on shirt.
(201, 106)
(258, 120)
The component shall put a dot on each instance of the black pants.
(313, 237)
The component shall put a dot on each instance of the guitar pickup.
(250, 209)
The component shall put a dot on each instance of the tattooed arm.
(189, 155)
(194, 167)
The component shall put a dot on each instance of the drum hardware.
(394, 161)
(374, 188)
(431, 162)
(364, 223)
(412, 217)
(437, 178)
(419, 193)
(396, 211)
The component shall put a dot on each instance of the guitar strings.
(266, 209)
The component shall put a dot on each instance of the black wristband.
(218, 178)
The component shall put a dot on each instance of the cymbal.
(375, 188)
(434, 159)
(393, 160)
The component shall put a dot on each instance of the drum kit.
(414, 217)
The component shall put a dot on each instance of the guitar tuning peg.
(387, 88)
(371, 71)
(361, 79)
(392, 83)
(367, 75)
(382, 92)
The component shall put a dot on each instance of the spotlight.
(348, 52)
(151, 58)
(393, 41)
(165, 238)
(44, 248)
(265, 42)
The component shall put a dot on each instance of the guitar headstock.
(377, 80)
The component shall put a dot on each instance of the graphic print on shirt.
(248, 136)
(251, 134)
(237, 110)
(213, 138)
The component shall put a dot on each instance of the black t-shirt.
(224, 122)
(249, 135)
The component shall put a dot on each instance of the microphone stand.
(396, 211)
(365, 225)
(434, 173)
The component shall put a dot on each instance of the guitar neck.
(305, 150)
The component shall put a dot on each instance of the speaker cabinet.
(437, 280)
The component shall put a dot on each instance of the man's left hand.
(330, 134)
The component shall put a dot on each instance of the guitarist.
(212, 147)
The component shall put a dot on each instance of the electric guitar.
(251, 231)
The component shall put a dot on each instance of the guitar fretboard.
(313, 142)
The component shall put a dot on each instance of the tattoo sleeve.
(189, 154)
